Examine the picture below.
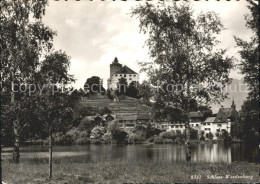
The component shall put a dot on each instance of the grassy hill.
(126, 105)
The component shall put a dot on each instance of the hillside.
(124, 106)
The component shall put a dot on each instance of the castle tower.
(233, 106)
(114, 67)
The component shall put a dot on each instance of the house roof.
(210, 120)
(143, 116)
(197, 114)
(109, 115)
(224, 114)
(125, 70)
(126, 117)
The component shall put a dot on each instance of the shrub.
(96, 141)
(82, 141)
(73, 133)
(150, 139)
(117, 134)
(158, 140)
(168, 135)
(217, 134)
(210, 136)
(97, 132)
(194, 134)
(85, 124)
(61, 139)
(137, 137)
(105, 110)
(107, 138)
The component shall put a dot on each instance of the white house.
(222, 122)
(176, 126)
(117, 71)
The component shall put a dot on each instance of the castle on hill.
(117, 71)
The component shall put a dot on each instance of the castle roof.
(224, 114)
(125, 70)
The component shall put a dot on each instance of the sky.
(93, 33)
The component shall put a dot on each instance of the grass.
(127, 172)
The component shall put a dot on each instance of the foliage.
(145, 91)
(133, 90)
(94, 85)
(117, 134)
(249, 66)
(194, 134)
(210, 136)
(97, 132)
(249, 51)
(184, 55)
(85, 125)
(23, 43)
(158, 140)
(105, 110)
(62, 139)
(168, 135)
(151, 131)
(202, 137)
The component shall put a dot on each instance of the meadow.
(119, 171)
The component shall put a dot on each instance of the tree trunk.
(16, 151)
(50, 153)
(188, 144)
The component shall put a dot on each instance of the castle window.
(130, 78)
(125, 75)
(130, 75)
(120, 75)
(134, 75)
(116, 75)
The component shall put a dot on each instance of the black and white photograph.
(127, 91)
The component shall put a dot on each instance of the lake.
(212, 153)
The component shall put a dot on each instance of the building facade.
(117, 71)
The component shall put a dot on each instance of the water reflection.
(212, 153)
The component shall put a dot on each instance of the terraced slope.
(123, 107)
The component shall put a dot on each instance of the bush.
(168, 141)
(97, 132)
(226, 137)
(168, 135)
(105, 110)
(85, 124)
(117, 134)
(210, 136)
(73, 133)
(82, 141)
(137, 137)
(96, 141)
(194, 134)
(107, 138)
(61, 139)
(158, 140)
(151, 131)
(150, 139)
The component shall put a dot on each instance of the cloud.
(93, 33)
